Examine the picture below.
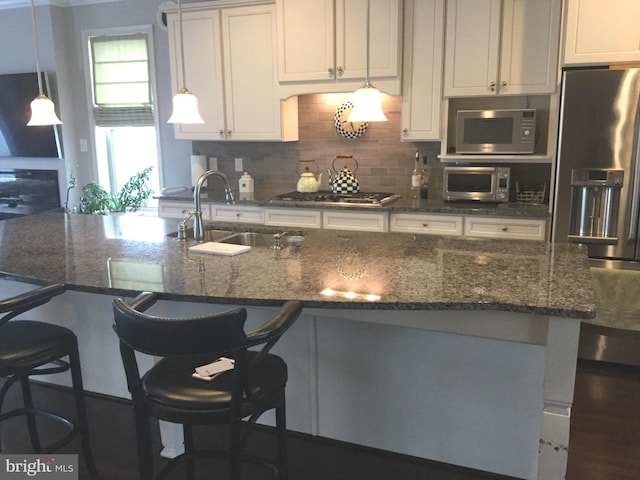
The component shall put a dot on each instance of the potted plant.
(133, 195)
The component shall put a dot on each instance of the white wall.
(59, 32)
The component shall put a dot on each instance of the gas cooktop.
(326, 197)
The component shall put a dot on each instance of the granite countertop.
(402, 205)
(122, 255)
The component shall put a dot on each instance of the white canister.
(246, 183)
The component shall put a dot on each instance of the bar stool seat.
(29, 347)
(235, 398)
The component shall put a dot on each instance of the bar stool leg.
(281, 440)
(83, 424)
(30, 417)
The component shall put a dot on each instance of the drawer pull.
(425, 225)
(504, 229)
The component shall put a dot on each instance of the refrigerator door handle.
(635, 193)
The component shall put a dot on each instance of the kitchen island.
(461, 351)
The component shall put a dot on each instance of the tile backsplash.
(384, 161)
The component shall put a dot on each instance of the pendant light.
(185, 103)
(42, 108)
(367, 100)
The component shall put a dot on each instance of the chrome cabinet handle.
(425, 225)
(503, 86)
(221, 133)
(504, 229)
(492, 86)
(340, 71)
(229, 135)
(331, 72)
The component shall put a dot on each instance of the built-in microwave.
(510, 131)
(481, 184)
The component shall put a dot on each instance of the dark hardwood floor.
(604, 445)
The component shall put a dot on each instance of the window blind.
(120, 78)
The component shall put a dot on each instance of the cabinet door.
(173, 209)
(472, 47)
(250, 73)
(422, 85)
(237, 214)
(203, 65)
(364, 221)
(293, 217)
(529, 51)
(351, 39)
(602, 32)
(426, 224)
(508, 228)
(306, 36)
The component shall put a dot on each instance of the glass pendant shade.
(367, 105)
(43, 112)
(185, 108)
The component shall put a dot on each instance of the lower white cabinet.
(293, 217)
(238, 214)
(508, 228)
(425, 224)
(171, 209)
(364, 221)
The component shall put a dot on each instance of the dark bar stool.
(30, 347)
(235, 398)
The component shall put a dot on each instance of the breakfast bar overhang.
(455, 350)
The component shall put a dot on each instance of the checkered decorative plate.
(345, 128)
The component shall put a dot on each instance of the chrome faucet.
(198, 225)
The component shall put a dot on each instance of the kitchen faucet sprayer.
(198, 225)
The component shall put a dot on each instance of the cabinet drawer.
(365, 221)
(426, 224)
(511, 228)
(293, 217)
(170, 209)
(231, 213)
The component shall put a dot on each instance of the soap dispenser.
(246, 183)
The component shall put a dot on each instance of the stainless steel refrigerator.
(597, 186)
(597, 200)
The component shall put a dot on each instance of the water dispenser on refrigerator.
(595, 204)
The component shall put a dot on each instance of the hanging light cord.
(35, 39)
(184, 82)
(366, 78)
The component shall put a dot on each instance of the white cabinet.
(426, 224)
(231, 67)
(293, 217)
(322, 45)
(422, 71)
(598, 31)
(172, 209)
(364, 221)
(237, 213)
(501, 47)
(508, 228)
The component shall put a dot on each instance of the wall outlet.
(213, 163)
(239, 165)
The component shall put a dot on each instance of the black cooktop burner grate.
(327, 197)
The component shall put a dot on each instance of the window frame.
(88, 80)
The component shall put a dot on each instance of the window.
(122, 88)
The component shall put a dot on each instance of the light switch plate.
(213, 163)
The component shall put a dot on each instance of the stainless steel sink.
(209, 235)
(249, 238)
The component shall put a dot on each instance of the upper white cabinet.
(231, 67)
(501, 47)
(322, 45)
(605, 32)
(422, 84)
